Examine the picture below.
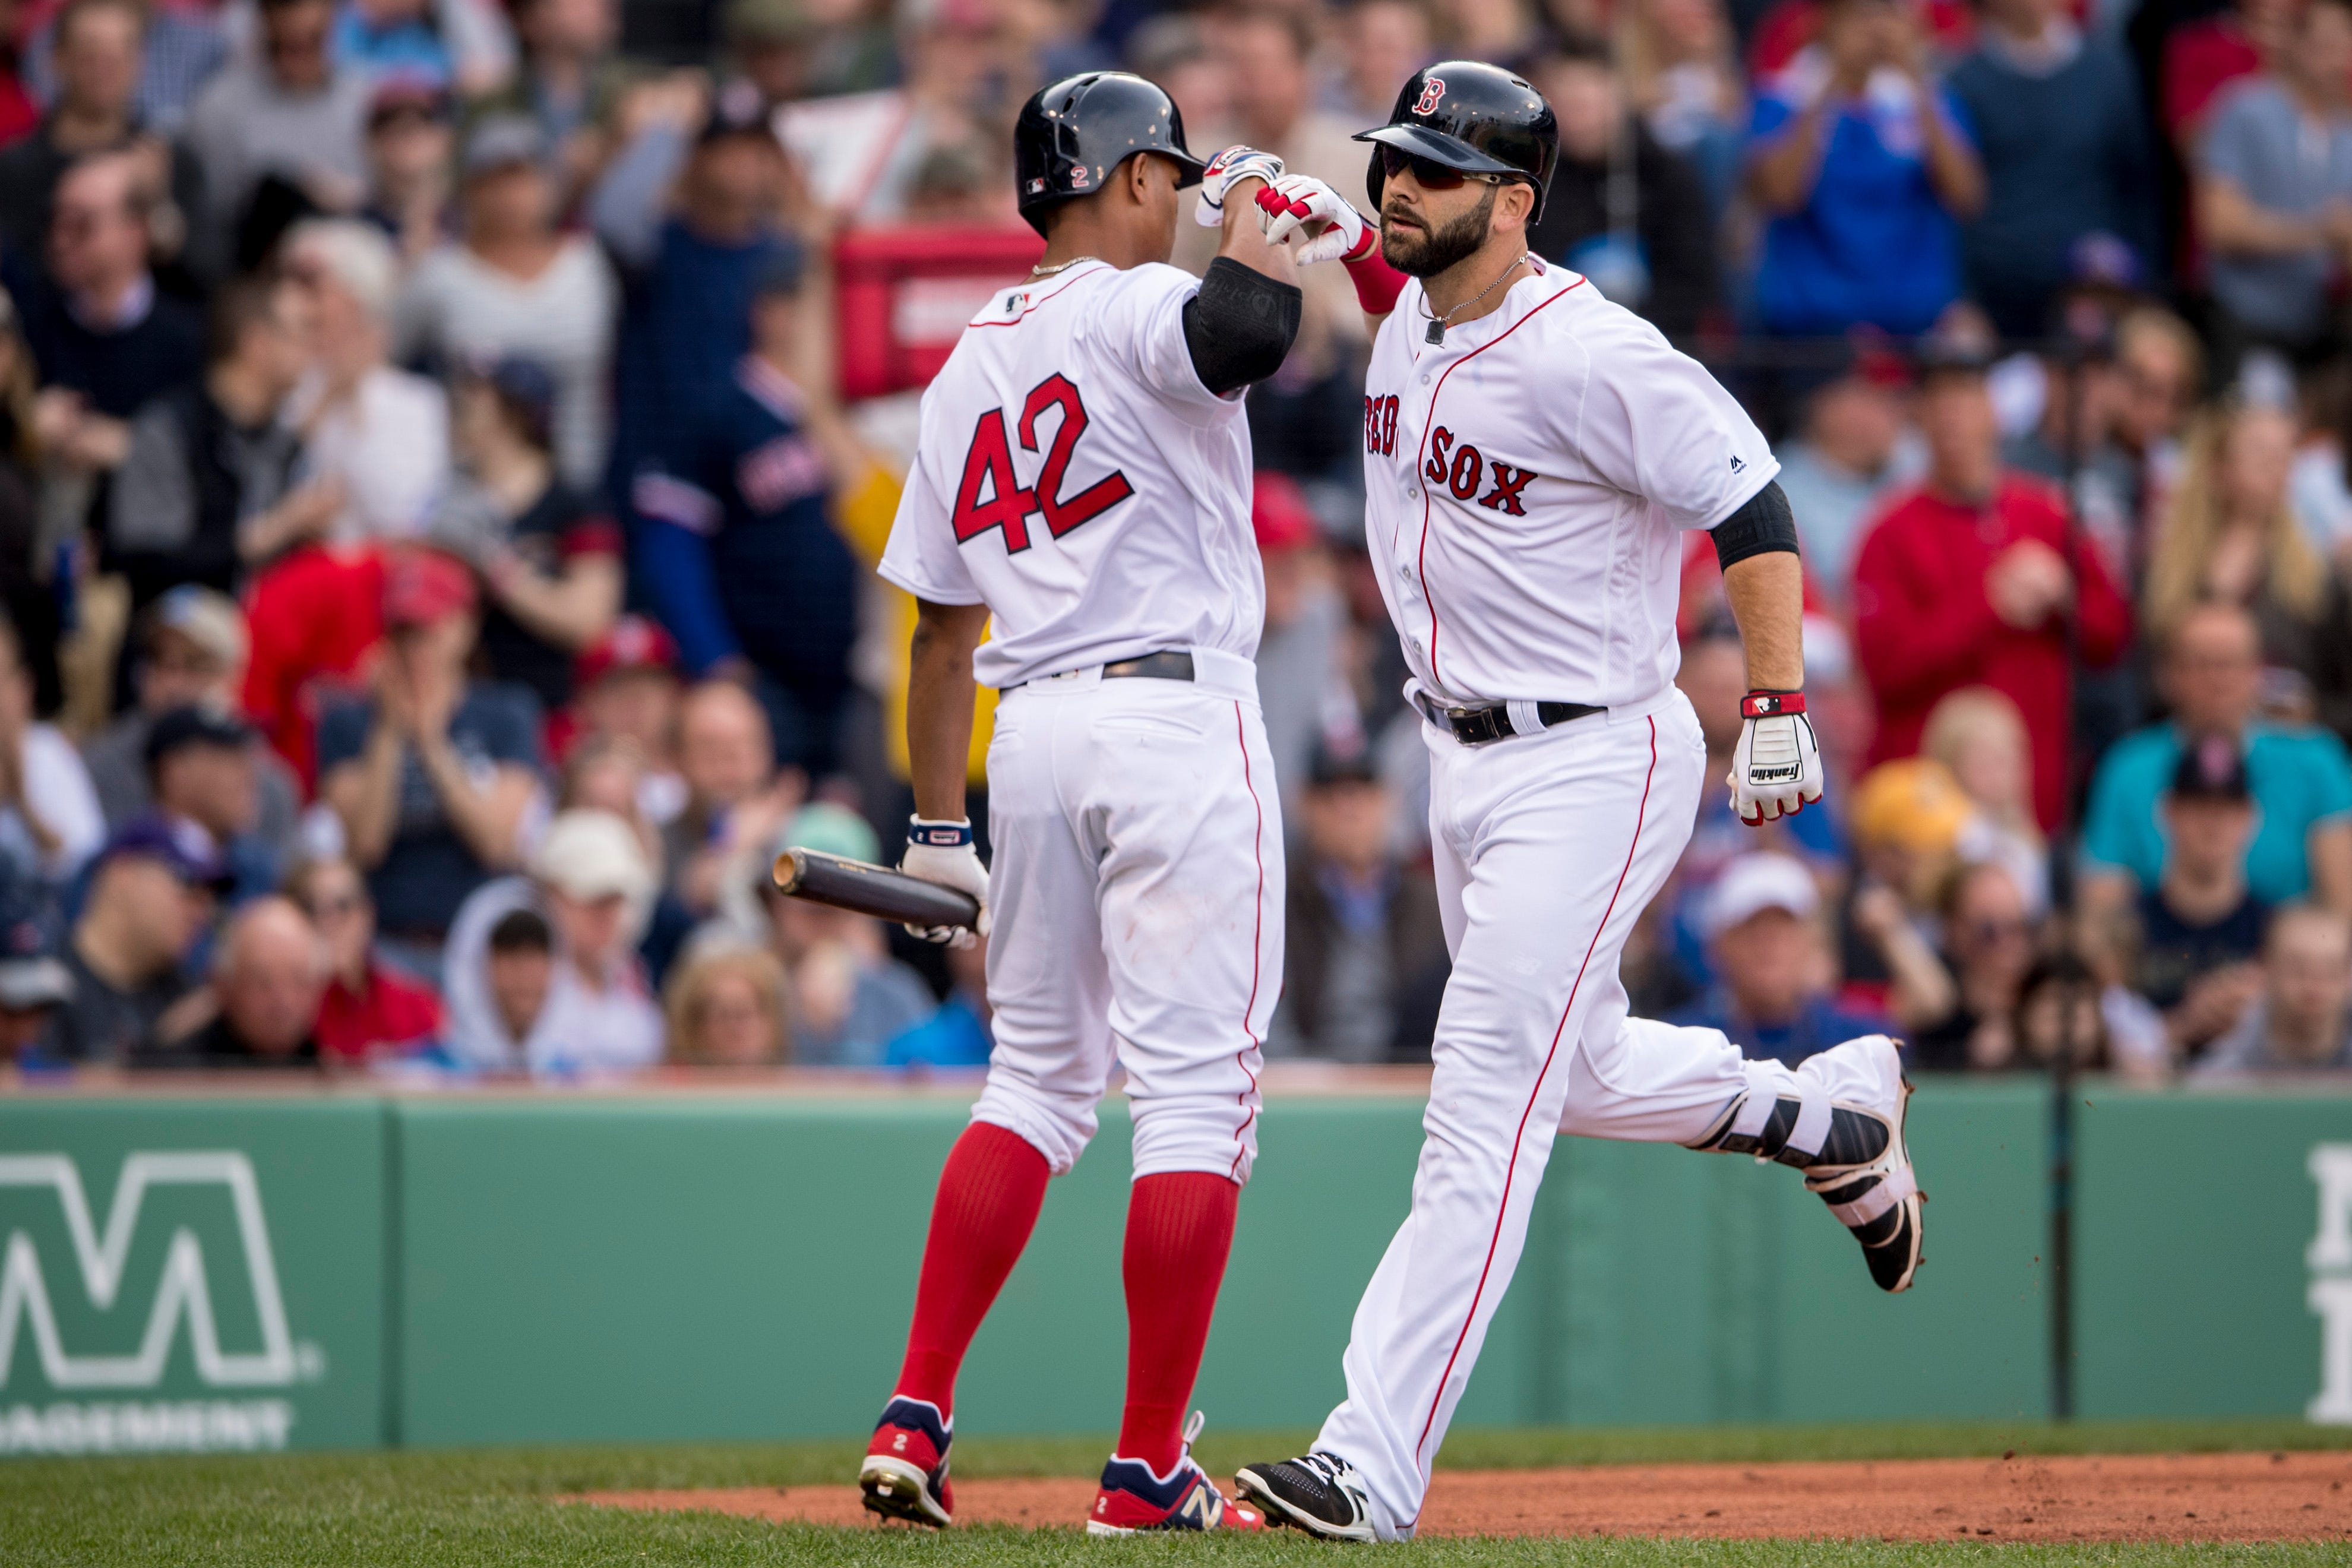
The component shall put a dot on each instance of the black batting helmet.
(1474, 117)
(1071, 135)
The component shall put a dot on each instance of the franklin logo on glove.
(1775, 771)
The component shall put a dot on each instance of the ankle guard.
(1803, 1133)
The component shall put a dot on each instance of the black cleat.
(1318, 1493)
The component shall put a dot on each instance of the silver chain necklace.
(1065, 265)
(1437, 324)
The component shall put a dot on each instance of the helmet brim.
(1439, 147)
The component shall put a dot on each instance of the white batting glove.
(1235, 163)
(1303, 204)
(942, 852)
(1776, 769)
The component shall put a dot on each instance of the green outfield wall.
(359, 1270)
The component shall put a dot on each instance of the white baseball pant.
(1137, 891)
(1548, 846)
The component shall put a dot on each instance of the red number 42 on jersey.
(989, 464)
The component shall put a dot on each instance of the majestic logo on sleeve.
(1432, 92)
(1464, 470)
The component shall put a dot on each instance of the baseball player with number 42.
(1532, 454)
(1082, 478)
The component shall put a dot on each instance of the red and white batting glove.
(943, 852)
(1235, 163)
(1333, 230)
(1776, 769)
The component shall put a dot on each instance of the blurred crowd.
(444, 444)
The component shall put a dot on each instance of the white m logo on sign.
(185, 1291)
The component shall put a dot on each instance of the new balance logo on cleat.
(1133, 1499)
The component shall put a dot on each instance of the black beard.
(1425, 253)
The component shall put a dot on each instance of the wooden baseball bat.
(869, 889)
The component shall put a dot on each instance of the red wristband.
(1764, 704)
(1377, 283)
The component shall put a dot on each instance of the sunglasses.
(1427, 173)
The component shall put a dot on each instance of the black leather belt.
(1168, 664)
(1477, 726)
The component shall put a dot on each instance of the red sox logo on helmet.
(1432, 89)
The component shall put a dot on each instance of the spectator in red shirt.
(369, 1007)
(2203, 57)
(314, 617)
(1966, 582)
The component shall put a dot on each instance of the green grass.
(385, 1510)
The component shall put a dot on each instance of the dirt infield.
(2140, 1498)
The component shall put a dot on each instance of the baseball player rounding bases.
(1082, 475)
(1530, 453)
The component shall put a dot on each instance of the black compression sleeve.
(1761, 526)
(1239, 326)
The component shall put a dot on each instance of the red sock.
(1180, 1227)
(990, 1193)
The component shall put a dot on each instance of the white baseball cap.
(1764, 880)
(591, 854)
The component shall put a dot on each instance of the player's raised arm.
(1777, 768)
(1238, 328)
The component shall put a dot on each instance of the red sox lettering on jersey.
(1527, 481)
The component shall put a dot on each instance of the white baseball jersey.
(1075, 476)
(1524, 484)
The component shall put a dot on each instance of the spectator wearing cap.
(515, 287)
(589, 882)
(626, 692)
(95, 107)
(207, 493)
(548, 555)
(409, 138)
(1363, 930)
(151, 901)
(34, 982)
(2299, 778)
(1852, 449)
(369, 1008)
(433, 777)
(848, 997)
(50, 817)
(1301, 658)
(690, 264)
(1910, 819)
(2302, 1020)
(202, 767)
(2272, 180)
(734, 518)
(1772, 993)
(286, 111)
(1865, 168)
(1962, 581)
(382, 433)
(2198, 933)
(191, 653)
(106, 340)
(1714, 676)
(380, 38)
(2063, 136)
(1659, 258)
(269, 973)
